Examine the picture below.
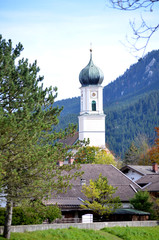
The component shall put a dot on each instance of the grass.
(135, 233)
(63, 234)
(115, 233)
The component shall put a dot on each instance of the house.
(135, 172)
(150, 183)
(70, 201)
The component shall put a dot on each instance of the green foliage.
(94, 155)
(154, 151)
(2, 216)
(104, 157)
(31, 215)
(124, 124)
(137, 233)
(29, 143)
(86, 154)
(131, 156)
(100, 195)
(142, 201)
(155, 207)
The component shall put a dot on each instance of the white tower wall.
(92, 119)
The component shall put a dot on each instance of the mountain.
(140, 78)
(131, 105)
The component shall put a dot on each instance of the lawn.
(115, 233)
(135, 233)
(64, 234)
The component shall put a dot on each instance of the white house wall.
(133, 175)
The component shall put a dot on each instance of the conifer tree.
(131, 156)
(142, 201)
(29, 150)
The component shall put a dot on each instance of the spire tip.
(90, 47)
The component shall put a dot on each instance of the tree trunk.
(8, 219)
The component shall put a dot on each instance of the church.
(92, 119)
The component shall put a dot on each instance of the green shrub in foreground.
(31, 215)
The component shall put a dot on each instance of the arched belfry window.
(93, 105)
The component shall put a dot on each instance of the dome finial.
(90, 47)
(90, 51)
(91, 75)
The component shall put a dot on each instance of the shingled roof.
(70, 140)
(150, 182)
(125, 187)
(143, 170)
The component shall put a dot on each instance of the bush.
(2, 216)
(31, 215)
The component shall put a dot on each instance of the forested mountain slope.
(139, 78)
(131, 104)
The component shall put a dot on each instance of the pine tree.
(29, 146)
(131, 156)
(142, 201)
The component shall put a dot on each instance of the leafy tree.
(154, 151)
(155, 213)
(100, 196)
(29, 146)
(94, 155)
(145, 30)
(104, 157)
(144, 158)
(142, 201)
(138, 153)
(31, 215)
(86, 154)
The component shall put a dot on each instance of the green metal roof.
(130, 211)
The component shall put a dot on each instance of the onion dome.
(91, 75)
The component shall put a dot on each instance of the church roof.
(91, 74)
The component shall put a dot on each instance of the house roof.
(143, 170)
(126, 188)
(92, 171)
(130, 211)
(68, 201)
(151, 182)
(70, 140)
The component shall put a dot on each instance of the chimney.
(155, 167)
(71, 161)
(60, 163)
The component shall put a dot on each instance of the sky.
(58, 34)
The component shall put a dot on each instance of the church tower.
(92, 118)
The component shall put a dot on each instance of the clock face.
(93, 94)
